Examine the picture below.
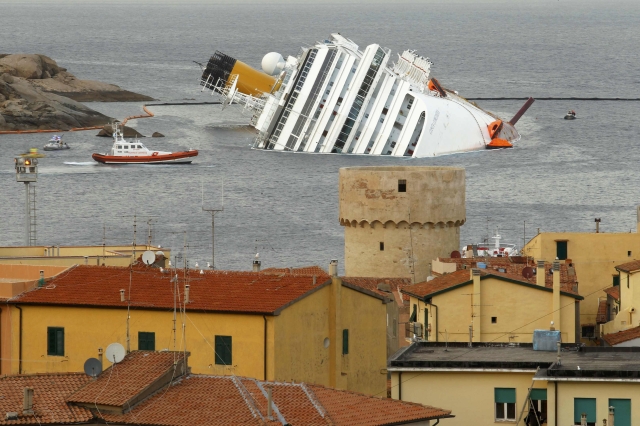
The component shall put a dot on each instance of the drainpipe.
(265, 347)
(555, 419)
(20, 343)
(399, 385)
(435, 306)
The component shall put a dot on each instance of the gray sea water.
(561, 175)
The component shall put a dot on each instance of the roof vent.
(11, 415)
(556, 266)
(27, 405)
(122, 295)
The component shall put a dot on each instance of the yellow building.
(628, 315)
(490, 383)
(493, 306)
(267, 325)
(594, 256)
(121, 255)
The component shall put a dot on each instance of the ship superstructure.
(334, 98)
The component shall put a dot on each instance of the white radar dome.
(272, 63)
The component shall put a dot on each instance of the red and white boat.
(134, 152)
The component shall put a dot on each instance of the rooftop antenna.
(149, 235)
(213, 212)
(27, 172)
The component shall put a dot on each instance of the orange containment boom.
(250, 81)
(521, 112)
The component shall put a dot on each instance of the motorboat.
(335, 98)
(56, 144)
(135, 152)
(571, 115)
(32, 153)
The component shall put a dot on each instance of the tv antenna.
(213, 212)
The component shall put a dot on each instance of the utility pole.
(213, 212)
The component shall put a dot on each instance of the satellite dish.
(160, 253)
(148, 257)
(455, 254)
(528, 272)
(92, 367)
(115, 353)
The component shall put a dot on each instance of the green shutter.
(561, 250)
(539, 394)
(507, 395)
(616, 279)
(55, 341)
(345, 342)
(622, 411)
(146, 341)
(585, 405)
(223, 350)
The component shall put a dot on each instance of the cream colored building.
(493, 306)
(594, 256)
(628, 315)
(397, 219)
(490, 383)
(121, 255)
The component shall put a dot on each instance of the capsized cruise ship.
(335, 98)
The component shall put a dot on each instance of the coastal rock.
(127, 132)
(157, 135)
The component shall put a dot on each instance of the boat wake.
(79, 163)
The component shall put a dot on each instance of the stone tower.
(398, 219)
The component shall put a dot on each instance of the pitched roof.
(372, 284)
(463, 276)
(149, 288)
(629, 266)
(622, 336)
(613, 292)
(220, 400)
(601, 316)
(49, 393)
(303, 270)
(135, 374)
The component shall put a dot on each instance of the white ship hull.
(334, 98)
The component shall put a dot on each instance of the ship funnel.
(273, 63)
(222, 68)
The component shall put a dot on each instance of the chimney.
(333, 268)
(187, 287)
(100, 352)
(612, 416)
(597, 220)
(477, 311)
(314, 280)
(256, 265)
(556, 296)
(86, 260)
(27, 404)
(540, 275)
(122, 295)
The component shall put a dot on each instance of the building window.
(588, 331)
(561, 250)
(622, 411)
(223, 350)
(345, 342)
(494, 320)
(539, 400)
(55, 341)
(616, 279)
(402, 185)
(585, 406)
(505, 403)
(381, 246)
(414, 314)
(146, 341)
(629, 253)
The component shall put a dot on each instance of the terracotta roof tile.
(629, 266)
(622, 336)
(614, 292)
(371, 284)
(351, 408)
(134, 374)
(304, 270)
(461, 276)
(601, 316)
(213, 291)
(49, 393)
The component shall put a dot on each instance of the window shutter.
(345, 342)
(622, 411)
(223, 350)
(60, 342)
(584, 405)
(505, 395)
(539, 394)
(51, 341)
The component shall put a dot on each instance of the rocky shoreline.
(35, 93)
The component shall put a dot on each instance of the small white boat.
(134, 152)
(56, 144)
(483, 249)
(571, 115)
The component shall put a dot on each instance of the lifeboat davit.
(134, 152)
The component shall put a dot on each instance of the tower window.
(402, 185)
(629, 253)
(494, 320)
(381, 246)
